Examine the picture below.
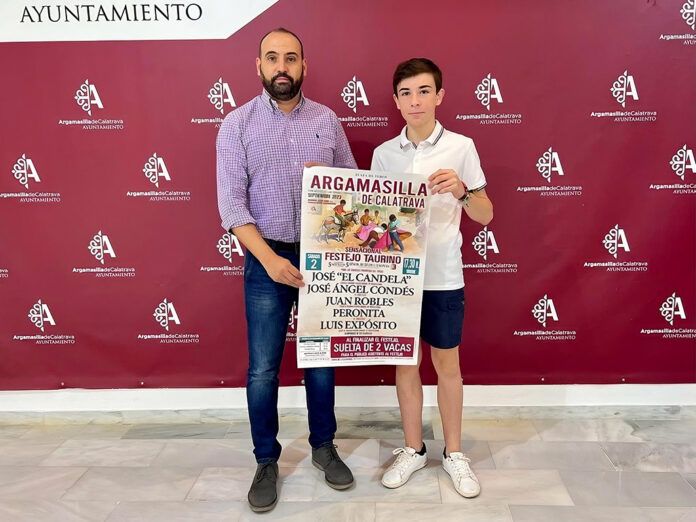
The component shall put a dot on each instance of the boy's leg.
(412, 457)
(449, 395)
(409, 391)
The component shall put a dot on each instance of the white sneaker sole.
(405, 479)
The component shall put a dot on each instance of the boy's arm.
(478, 207)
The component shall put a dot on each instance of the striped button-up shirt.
(261, 152)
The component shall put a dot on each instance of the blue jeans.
(268, 305)
(394, 235)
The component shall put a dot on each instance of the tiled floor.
(535, 465)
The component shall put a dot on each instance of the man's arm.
(279, 269)
(232, 184)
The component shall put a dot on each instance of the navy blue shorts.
(442, 315)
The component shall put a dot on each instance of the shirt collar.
(270, 102)
(431, 140)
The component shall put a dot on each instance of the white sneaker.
(457, 467)
(407, 461)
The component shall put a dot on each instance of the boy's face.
(416, 99)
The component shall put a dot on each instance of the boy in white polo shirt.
(456, 180)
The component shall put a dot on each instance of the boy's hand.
(446, 180)
(309, 164)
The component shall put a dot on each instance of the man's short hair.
(286, 31)
(414, 67)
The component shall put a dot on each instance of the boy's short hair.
(414, 67)
(392, 217)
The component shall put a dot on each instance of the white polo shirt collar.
(431, 140)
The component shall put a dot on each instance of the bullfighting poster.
(362, 257)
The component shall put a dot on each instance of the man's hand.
(446, 180)
(282, 271)
(314, 164)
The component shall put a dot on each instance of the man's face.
(281, 66)
(416, 99)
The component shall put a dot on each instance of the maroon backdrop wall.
(584, 116)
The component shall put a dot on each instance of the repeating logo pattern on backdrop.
(624, 87)
(672, 310)
(87, 97)
(682, 161)
(24, 170)
(100, 245)
(291, 333)
(488, 90)
(544, 310)
(25, 173)
(486, 244)
(548, 166)
(489, 94)
(166, 313)
(545, 313)
(167, 317)
(220, 94)
(89, 101)
(615, 242)
(688, 13)
(102, 249)
(229, 247)
(354, 93)
(41, 317)
(355, 98)
(155, 168)
(219, 97)
(156, 171)
(624, 90)
(485, 241)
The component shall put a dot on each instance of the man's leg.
(268, 307)
(321, 392)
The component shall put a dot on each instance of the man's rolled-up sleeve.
(232, 177)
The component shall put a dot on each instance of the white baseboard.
(75, 400)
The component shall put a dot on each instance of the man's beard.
(282, 91)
